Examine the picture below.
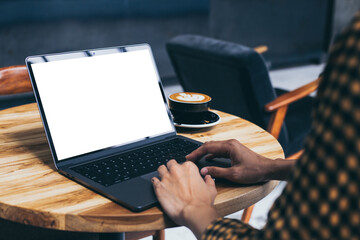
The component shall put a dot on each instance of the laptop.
(107, 121)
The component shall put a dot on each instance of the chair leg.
(159, 235)
(247, 214)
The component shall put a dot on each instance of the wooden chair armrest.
(276, 121)
(14, 79)
(261, 49)
(292, 96)
(280, 105)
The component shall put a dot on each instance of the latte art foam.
(190, 97)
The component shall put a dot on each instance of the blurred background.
(297, 32)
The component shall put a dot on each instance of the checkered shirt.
(321, 199)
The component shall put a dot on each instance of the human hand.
(185, 196)
(246, 166)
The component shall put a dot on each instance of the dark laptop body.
(100, 103)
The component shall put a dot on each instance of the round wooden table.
(33, 192)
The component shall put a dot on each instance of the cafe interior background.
(297, 33)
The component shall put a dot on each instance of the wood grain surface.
(14, 79)
(33, 192)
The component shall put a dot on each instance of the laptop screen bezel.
(85, 54)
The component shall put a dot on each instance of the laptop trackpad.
(136, 194)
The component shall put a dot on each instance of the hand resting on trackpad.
(216, 162)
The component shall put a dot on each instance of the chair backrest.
(235, 76)
(15, 87)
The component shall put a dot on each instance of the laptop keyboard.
(123, 167)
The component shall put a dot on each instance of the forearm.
(197, 219)
(278, 169)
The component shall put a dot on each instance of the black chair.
(237, 79)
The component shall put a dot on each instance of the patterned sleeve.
(225, 228)
(322, 197)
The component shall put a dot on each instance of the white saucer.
(202, 125)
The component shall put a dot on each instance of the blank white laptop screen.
(92, 103)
